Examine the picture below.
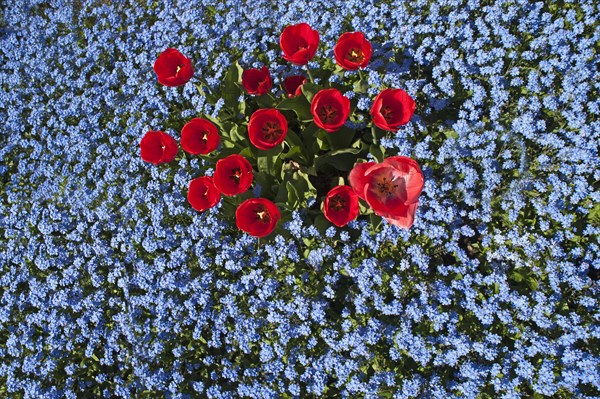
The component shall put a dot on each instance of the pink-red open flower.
(267, 128)
(392, 108)
(352, 51)
(158, 147)
(257, 216)
(341, 205)
(293, 85)
(173, 68)
(203, 194)
(200, 136)
(299, 43)
(233, 175)
(330, 109)
(257, 81)
(391, 188)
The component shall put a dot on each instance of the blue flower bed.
(113, 286)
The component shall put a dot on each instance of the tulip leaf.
(341, 138)
(377, 151)
(207, 93)
(310, 89)
(264, 101)
(293, 196)
(247, 153)
(321, 223)
(230, 87)
(238, 133)
(361, 86)
(294, 153)
(299, 105)
(342, 160)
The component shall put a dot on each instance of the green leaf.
(230, 86)
(264, 101)
(377, 151)
(294, 153)
(321, 223)
(343, 159)
(247, 153)
(361, 86)
(238, 133)
(299, 105)
(293, 198)
(341, 138)
(532, 283)
(516, 276)
(594, 215)
(322, 141)
(310, 89)
(207, 93)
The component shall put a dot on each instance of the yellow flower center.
(355, 55)
(262, 214)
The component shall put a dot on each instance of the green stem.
(309, 74)
(360, 74)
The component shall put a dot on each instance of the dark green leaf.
(310, 89)
(340, 138)
(299, 105)
(230, 86)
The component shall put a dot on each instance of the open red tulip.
(352, 51)
(299, 43)
(267, 128)
(203, 194)
(233, 175)
(392, 108)
(257, 216)
(158, 147)
(200, 136)
(330, 109)
(391, 188)
(341, 205)
(173, 68)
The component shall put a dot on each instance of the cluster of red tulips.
(391, 187)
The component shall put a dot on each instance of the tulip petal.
(357, 178)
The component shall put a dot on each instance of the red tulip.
(391, 188)
(200, 136)
(299, 43)
(267, 128)
(233, 175)
(173, 68)
(330, 109)
(257, 81)
(257, 216)
(293, 85)
(203, 194)
(158, 147)
(341, 205)
(392, 108)
(352, 51)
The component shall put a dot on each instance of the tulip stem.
(309, 74)
(360, 74)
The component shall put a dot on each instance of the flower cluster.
(317, 115)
